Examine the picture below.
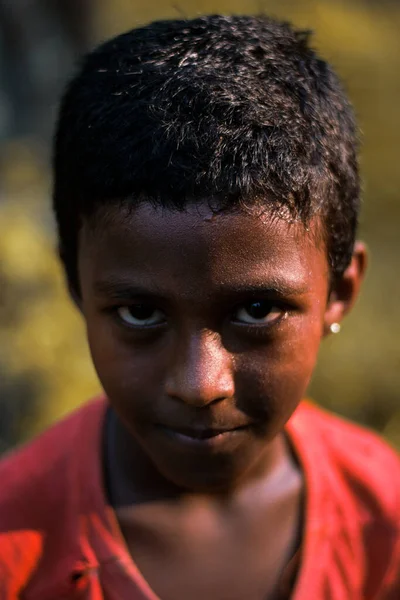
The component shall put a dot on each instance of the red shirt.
(60, 540)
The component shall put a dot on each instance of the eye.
(260, 312)
(141, 315)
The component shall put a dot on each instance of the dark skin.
(204, 329)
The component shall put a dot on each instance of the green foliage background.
(45, 369)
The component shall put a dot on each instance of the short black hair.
(237, 108)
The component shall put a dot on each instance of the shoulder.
(369, 465)
(39, 465)
(358, 476)
(38, 484)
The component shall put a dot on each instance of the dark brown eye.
(258, 313)
(141, 315)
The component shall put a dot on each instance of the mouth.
(202, 436)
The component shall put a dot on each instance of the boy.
(206, 194)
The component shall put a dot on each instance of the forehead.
(199, 243)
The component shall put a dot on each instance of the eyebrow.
(269, 288)
(123, 289)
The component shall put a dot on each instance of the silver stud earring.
(335, 328)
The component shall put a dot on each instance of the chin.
(202, 481)
(212, 474)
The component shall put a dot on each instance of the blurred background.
(45, 369)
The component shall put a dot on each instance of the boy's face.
(204, 330)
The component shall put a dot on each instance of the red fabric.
(59, 539)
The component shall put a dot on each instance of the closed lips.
(202, 434)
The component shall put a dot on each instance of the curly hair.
(236, 108)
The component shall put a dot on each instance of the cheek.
(274, 379)
(128, 374)
(295, 362)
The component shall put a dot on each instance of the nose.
(201, 371)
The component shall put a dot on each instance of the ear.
(345, 291)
